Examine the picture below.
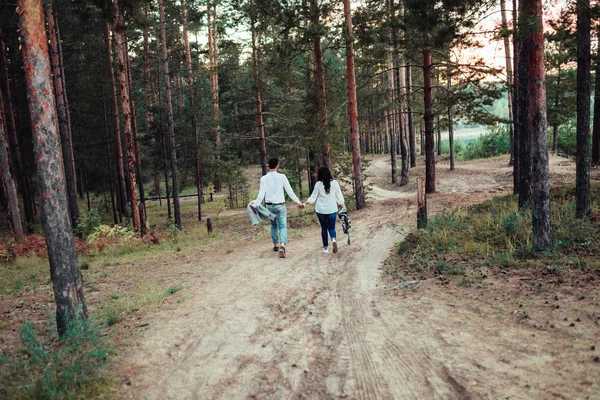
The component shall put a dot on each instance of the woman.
(327, 195)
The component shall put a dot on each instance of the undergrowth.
(46, 368)
(468, 241)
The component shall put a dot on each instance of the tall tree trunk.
(63, 123)
(584, 60)
(62, 75)
(320, 83)
(596, 129)
(170, 122)
(556, 105)
(9, 190)
(391, 96)
(429, 132)
(119, 30)
(66, 277)
(260, 124)
(359, 189)
(109, 164)
(399, 80)
(509, 78)
(192, 94)
(122, 188)
(450, 123)
(13, 141)
(438, 142)
(526, 50)
(214, 70)
(411, 126)
(532, 100)
(515, 101)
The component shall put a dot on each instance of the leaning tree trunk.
(260, 124)
(515, 101)
(9, 189)
(509, 81)
(170, 122)
(11, 133)
(192, 94)
(122, 188)
(596, 129)
(533, 117)
(119, 30)
(66, 277)
(63, 122)
(582, 181)
(320, 84)
(429, 131)
(359, 189)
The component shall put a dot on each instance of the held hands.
(301, 205)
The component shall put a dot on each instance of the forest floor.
(333, 326)
(224, 317)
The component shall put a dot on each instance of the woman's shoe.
(325, 251)
(334, 244)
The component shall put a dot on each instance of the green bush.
(491, 144)
(88, 222)
(71, 368)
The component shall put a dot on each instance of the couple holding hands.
(326, 195)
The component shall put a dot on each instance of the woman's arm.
(315, 194)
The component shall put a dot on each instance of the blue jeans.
(278, 224)
(327, 222)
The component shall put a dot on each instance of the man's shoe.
(275, 248)
(334, 244)
(281, 252)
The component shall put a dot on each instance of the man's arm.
(261, 194)
(290, 191)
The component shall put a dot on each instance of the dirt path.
(326, 326)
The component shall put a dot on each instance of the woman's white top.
(326, 203)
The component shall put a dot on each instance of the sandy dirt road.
(326, 326)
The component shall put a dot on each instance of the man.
(272, 187)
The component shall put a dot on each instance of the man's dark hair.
(273, 162)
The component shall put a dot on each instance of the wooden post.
(209, 226)
(422, 204)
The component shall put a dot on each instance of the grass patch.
(22, 274)
(46, 368)
(118, 307)
(466, 241)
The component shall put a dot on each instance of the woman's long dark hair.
(324, 175)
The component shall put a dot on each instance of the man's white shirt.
(272, 186)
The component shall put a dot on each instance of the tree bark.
(596, 128)
(527, 43)
(429, 131)
(260, 124)
(320, 82)
(192, 94)
(214, 70)
(391, 96)
(359, 189)
(122, 189)
(66, 277)
(450, 123)
(9, 189)
(516, 118)
(63, 123)
(509, 81)
(533, 117)
(411, 126)
(421, 204)
(584, 59)
(13, 141)
(170, 122)
(109, 164)
(119, 30)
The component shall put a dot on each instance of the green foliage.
(88, 222)
(111, 232)
(491, 144)
(72, 368)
